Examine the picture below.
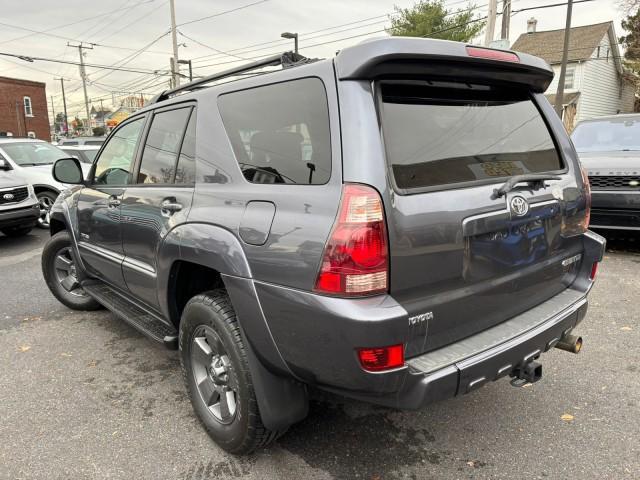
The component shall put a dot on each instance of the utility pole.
(102, 115)
(491, 22)
(565, 56)
(53, 112)
(83, 75)
(172, 78)
(64, 104)
(506, 19)
(174, 39)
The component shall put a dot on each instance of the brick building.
(23, 109)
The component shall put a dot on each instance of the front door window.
(116, 160)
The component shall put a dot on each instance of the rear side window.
(163, 143)
(440, 134)
(280, 133)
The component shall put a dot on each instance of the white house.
(595, 82)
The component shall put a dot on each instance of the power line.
(30, 58)
(221, 13)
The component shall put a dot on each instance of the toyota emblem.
(8, 196)
(519, 206)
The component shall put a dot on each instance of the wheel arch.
(217, 255)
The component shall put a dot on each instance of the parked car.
(85, 153)
(270, 230)
(74, 141)
(609, 148)
(19, 207)
(33, 160)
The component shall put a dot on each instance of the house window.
(569, 76)
(31, 134)
(28, 111)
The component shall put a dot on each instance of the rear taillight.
(587, 194)
(594, 271)
(355, 260)
(578, 224)
(383, 358)
(490, 54)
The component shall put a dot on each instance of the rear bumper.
(317, 337)
(22, 216)
(615, 210)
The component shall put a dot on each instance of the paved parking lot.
(83, 395)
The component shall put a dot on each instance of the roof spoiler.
(403, 57)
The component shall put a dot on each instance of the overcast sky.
(133, 24)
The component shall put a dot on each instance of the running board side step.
(142, 320)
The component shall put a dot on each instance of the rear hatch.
(460, 253)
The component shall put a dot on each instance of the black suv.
(400, 224)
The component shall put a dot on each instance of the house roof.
(548, 45)
(568, 98)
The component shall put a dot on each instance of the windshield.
(620, 134)
(30, 154)
(441, 133)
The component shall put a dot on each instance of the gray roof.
(548, 45)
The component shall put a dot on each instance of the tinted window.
(280, 133)
(186, 170)
(441, 133)
(72, 143)
(94, 142)
(116, 159)
(619, 134)
(163, 144)
(33, 153)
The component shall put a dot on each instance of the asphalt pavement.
(84, 396)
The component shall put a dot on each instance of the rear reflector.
(594, 271)
(383, 358)
(355, 259)
(491, 54)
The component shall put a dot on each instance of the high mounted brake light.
(491, 54)
(355, 260)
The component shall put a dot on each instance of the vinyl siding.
(600, 92)
(628, 97)
(577, 79)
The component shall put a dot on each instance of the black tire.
(59, 270)
(16, 231)
(46, 199)
(207, 316)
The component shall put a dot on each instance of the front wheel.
(46, 200)
(60, 273)
(216, 373)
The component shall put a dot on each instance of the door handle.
(169, 206)
(113, 202)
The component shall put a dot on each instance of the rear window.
(440, 134)
(280, 132)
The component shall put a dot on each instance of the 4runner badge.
(519, 205)
(423, 317)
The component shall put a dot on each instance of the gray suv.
(400, 224)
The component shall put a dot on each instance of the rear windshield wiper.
(536, 180)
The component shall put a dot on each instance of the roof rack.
(286, 59)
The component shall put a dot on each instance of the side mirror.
(4, 164)
(68, 170)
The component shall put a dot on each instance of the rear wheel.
(16, 231)
(60, 273)
(217, 374)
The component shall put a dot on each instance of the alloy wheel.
(65, 272)
(213, 374)
(45, 208)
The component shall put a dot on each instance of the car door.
(100, 238)
(160, 197)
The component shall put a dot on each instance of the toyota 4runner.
(400, 224)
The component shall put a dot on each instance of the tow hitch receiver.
(529, 373)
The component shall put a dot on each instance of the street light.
(187, 62)
(291, 35)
